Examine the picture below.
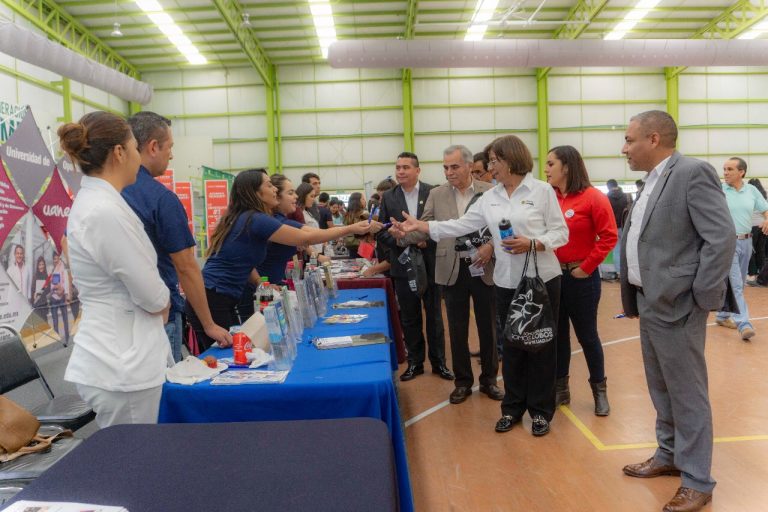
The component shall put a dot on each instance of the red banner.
(166, 179)
(184, 192)
(216, 199)
(53, 209)
(12, 208)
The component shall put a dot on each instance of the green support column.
(134, 108)
(542, 115)
(270, 92)
(66, 96)
(409, 139)
(673, 93)
(278, 127)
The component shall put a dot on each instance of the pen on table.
(363, 297)
(620, 315)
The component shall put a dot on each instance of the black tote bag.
(416, 269)
(530, 325)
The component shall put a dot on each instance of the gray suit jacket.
(687, 241)
(441, 205)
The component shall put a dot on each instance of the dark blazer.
(392, 205)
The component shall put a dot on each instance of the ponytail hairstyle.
(243, 198)
(90, 141)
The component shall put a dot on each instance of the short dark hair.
(323, 197)
(147, 126)
(612, 183)
(481, 157)
(385, 184)
(740, 164)
(577, 178)
(514, 152)
(375, 196)
(660, 122)
(412, 156)
(334, 200)
(308, 177)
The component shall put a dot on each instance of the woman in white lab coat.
(121, 349)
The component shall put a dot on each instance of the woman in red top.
(591, 236)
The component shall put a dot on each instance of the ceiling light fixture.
(116, 32)
(322, 15)
(171, 30)
(484, 11)
(631, 19)
(756, 31)
(246, 23)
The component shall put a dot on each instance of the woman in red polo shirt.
(592, 235)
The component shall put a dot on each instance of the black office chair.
(21, 471)
(18, 368)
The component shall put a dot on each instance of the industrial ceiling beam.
(232, 13)
(733, 21)
(60, 26)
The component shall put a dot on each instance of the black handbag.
(530, 325)
(415, 268)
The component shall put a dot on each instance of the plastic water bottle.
(281, 354)
(505, 230)
(264, 294)
(473, 255)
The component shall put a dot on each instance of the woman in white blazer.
(121, 349)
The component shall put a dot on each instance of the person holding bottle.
(531, 205)
(592, 235)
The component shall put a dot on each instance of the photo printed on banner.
(27, 158)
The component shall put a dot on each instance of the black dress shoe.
(493, 391)
(412, 371)
(459, 394)
(506, 423)
(540, 426)
(442, 372)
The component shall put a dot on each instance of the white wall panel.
(381, 94)
(514, 89)
(602, 88)
(481, 118)
(470, 90)
(382, 149)
(338, 95)
(430, 92)
(567, 138)
(645, 87)
(602, 115)
(247, 98)
(604, 169)
(298, 124)
(510, 118)
(338, 123)
(734, 141)
(167, 103)
(693, 141)
(323, 72)
(601, 143)
(242, 76)
(216, 127)
(382, 121)
(300, 152)
(221, 157)
(693, 113)
(163, 79)
(206, 101)
(432, 120)
(250, 154)
(297, 96)
(564, 88)
(726, 86)
(206, 77)
(693, 86)
(564, 116)
(340, 151)
(248, 127)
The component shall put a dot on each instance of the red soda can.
(241, 344)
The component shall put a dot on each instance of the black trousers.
(457, 307)
(412, 321)
(529, 378)
(578, 306)
(223, 311)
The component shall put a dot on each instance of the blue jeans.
(738, 273)
(174, 331)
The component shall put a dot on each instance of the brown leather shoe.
(649, 469)
(687, 500)
(493, 391)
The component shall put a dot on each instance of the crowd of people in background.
(681, 248)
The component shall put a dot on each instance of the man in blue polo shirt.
(165, 222)
(743, 199)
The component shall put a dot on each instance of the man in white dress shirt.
(19, 273)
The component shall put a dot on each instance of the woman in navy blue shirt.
(239, 245)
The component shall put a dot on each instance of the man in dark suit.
(410, 195)
(676, 251)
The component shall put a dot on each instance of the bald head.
(657, 121)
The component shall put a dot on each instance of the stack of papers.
(345, 319)
(235, 377)
(352, 304)
(338, 341)
(56, 506)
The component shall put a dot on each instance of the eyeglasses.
(479, 173)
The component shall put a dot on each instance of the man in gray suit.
(462, 277)
(676, 251)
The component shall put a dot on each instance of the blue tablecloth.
(338, 383)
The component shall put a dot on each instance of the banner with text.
(12, 208)
(70, 174)
(53, 209)
(216, 200)
(166, 179)
(27, 158)
(183, 190)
